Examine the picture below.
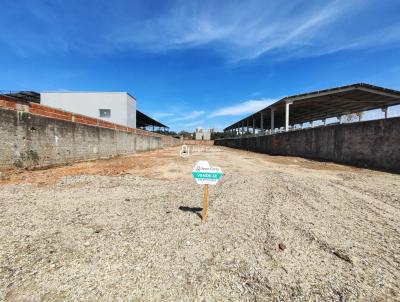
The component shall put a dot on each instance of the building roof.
(28, 96)
(93, 92)
(322, 104)
(143, 120)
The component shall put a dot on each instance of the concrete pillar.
(272, 119)
(262, 122)
(288, 103)
(254, 125)
(242, 128)
(247, 123)
(385, 111)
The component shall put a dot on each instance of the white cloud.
(249, 29)
(246, 107)
(192, 115)
(162, 114)
(195, 124)
(237, 30)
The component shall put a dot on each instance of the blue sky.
(198, 63)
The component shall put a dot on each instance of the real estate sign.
(204, 174)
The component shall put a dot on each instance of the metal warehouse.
(317, 105)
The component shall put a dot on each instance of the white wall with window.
(105, 113)
(115, 107)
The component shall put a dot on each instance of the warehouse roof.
(322, 104)
(143, 120)
(28, 96)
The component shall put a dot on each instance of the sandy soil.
(129, 229)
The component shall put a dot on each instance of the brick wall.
(34, 135)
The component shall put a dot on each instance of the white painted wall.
(203, 134)
(131, 111)
(122, 105)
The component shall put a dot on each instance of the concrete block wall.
(33, 135)
(197, 142)
(373, 144)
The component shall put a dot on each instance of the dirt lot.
(129, 229)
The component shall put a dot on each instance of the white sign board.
(204, 174)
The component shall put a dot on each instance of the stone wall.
(374, 144)
(33, 135)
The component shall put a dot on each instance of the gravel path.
(278, 229)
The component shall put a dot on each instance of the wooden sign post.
(206, 175)
(205, 204)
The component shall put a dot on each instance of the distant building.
(203, 134)
(114, 107)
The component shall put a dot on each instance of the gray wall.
(373, 144)
(29, 140)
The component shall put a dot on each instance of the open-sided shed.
(143, 121)
(319, 105)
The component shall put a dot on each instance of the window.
(105, 112)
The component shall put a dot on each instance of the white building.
(114, 107)
(203, 134)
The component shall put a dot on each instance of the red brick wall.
(37, 109)
(9, 103)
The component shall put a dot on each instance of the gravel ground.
(129, 229)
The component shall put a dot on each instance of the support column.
(288, 103)
(272, 119)
(324, 121)
(247, 122)
(242, 128)
(385, 110)
(262, 122)
(254, 125)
